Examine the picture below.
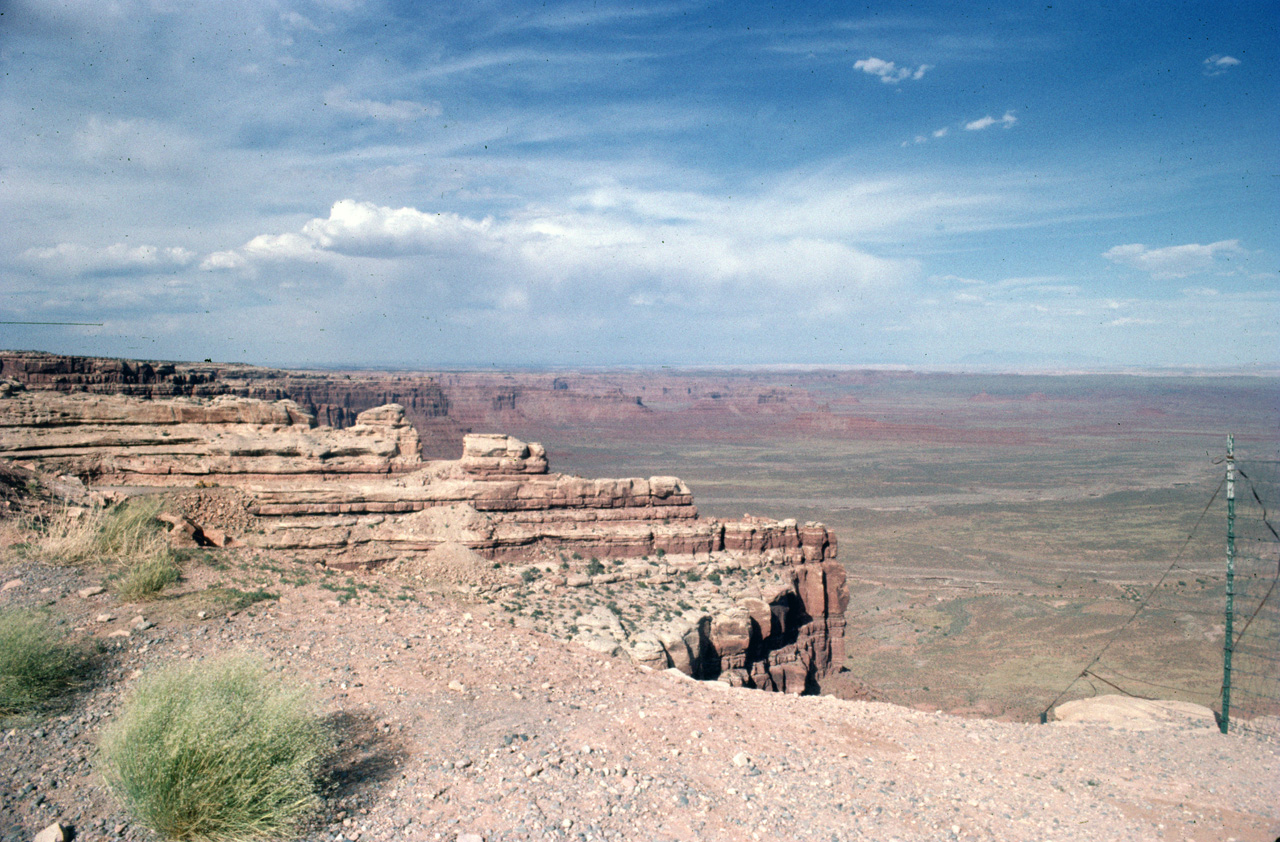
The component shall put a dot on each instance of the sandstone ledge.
(620, 565)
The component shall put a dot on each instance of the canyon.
(977, 513)
(753, 602)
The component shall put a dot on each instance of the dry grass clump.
(124, 532)
(220, 751)
(145, 578)
(127, 537)
(36, 664)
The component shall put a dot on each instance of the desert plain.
(997, 529)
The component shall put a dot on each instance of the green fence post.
(1228, 643)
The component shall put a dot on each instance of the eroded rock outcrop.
(754, 602)
(120, 440)
(334, 399)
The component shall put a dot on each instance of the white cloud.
(280, 247)
(889, 72)
(988, 121)
(116, 259)
(1175, 261)
(936, 134)
(398, 111)
(363, 228)
(1216, 65)
(659, 247)
(223, 260)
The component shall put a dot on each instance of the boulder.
(1131, 714)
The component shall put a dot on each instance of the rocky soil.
(460, 723)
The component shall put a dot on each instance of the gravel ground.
(457, 725)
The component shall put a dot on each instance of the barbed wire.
(1087, 671)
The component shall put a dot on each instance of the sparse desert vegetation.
(219, 751)
(126, 539)
(37, 663)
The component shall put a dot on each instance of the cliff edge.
(619, 565)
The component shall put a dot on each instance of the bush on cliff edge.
(222, 751)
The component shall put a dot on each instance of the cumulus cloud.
(1216, 65)
(280, 247)
(890, 73)
(601, 252)
(363, 228)
(988, 121)
(1175, 261)
(115, 259)
(223, 260)
(396, 111)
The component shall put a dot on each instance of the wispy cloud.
(140, 142)
(116, 259)
(1216, 65)
(1176, 261)
(890, 73)
(400, 110)
(988, 121)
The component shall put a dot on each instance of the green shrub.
(145, 578)
(219, 751)
(36, 665)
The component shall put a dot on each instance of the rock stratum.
(442, 406)
(619, 565)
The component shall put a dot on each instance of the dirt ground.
(457, 724)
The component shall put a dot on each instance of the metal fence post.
(1228, 643)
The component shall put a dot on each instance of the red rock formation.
(334, 399)
(362, 496)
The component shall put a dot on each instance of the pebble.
(470, 768)
(53, 833)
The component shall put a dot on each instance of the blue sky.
(328, 182)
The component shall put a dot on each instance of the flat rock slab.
(1135, 714)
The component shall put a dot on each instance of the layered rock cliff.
(754, 602)
(442, 406)
(332, 399)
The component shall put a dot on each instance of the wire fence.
(1254, 678)
(1187, 604)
